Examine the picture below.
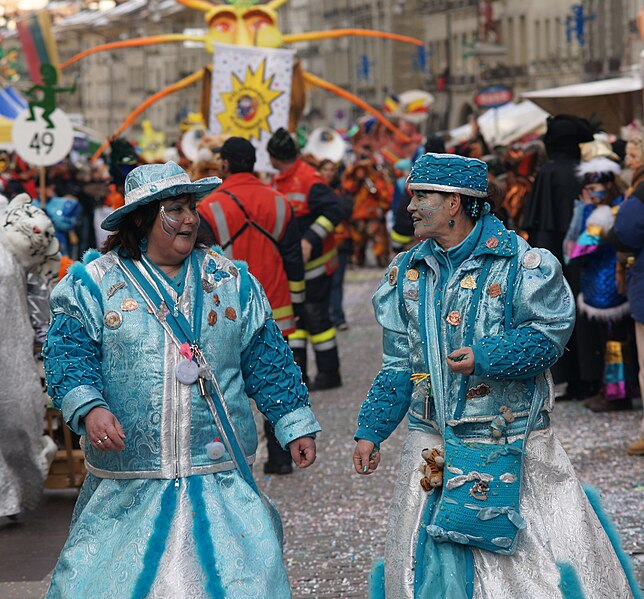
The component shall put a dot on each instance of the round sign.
(39, 144)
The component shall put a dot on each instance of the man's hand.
(303, 451)
(366, 457)
(104, 431)
(307, 248)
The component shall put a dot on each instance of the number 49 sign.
(37, 142)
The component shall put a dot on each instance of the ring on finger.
(98, 441)
(106, 437)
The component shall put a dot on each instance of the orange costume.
(372, 193)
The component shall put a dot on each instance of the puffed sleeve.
(543, 313)
(390, 395)
(72, 349)
(270, 374)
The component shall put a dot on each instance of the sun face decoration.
(248, 106)
(246, 23)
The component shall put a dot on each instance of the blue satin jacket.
(106, 348)
(523, 313)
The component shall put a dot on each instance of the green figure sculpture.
(49, 91)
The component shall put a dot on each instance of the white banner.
(251, 94)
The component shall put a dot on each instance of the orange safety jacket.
(317, 210)
(254, 223)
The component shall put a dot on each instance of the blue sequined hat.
(449, 173)
(153, 183)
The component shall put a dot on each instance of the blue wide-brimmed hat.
(449, 173)
(156, 182)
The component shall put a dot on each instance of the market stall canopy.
(504, 125)
(613, 101)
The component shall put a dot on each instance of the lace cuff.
(386, 405)
(518, 354)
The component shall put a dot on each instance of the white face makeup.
(174, 232)
(429, 213)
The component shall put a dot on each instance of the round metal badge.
(113, 319)
(187, 371)
(531, 259)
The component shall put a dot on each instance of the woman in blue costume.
(153, 352)
(604, 322)
(472, 320)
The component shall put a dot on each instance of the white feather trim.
(613, 314)
(598, 165)
(602, 216)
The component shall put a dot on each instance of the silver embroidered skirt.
(561, 527)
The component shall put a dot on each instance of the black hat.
(282, 146)
(564, 128)
(238, 151)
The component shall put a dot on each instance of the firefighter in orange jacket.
(252, 222)
(317, 211)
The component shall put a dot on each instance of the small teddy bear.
(432, 469)
(500, 423)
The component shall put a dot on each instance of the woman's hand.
(104, 430)
(366, 457)
(303, 451)
(461, 361)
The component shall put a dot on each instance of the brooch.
(491, 242)
(112, 319)
(230, 313)
(494, 290)
(468, 282)
(531, 259)
(114, 288)
(129, 304)
(412, 274)
(454, 318)
(207, 285)
(392, 276)
(212, 318)
(479, 490)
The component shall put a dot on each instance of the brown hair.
(134, 229)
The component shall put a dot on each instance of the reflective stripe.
(322, 260)
(296, 197)
(400, 238)
(286, 324)
(296, 286)
(319, 230)
(222, 227)
(325, 346)
(325, 222)
(280, 216)
(282, 312)
(315, 273)
(298, 298)
(296, 343)
(299, 334)
(323, 336)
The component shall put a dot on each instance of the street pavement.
(335, 520)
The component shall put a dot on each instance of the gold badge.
(494, 290)
(454, 318)
(392, 277)
(129, 304)
(412, 274)
(468, 282)
(212, 318)
(492, 242)
(230, 313)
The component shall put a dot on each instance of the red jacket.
(263, 233)
(318, 212)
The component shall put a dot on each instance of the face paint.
(168, 224)
(424, 212)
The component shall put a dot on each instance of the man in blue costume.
(486, 502)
